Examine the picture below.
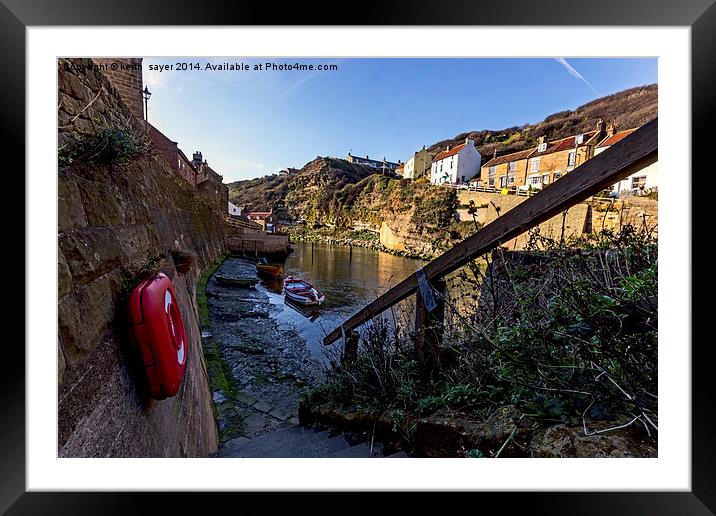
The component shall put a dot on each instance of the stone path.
(258, 372)
(296, 441)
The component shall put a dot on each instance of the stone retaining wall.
(261, 244)
(114, 220)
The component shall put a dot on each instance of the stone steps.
(299, 442)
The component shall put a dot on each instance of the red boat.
(302, 292)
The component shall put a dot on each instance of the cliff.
(339, 196)
(123, 213)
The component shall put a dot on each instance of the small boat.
(302, 292)
(266, 269)
(236, 282)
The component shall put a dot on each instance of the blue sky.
(256, 122)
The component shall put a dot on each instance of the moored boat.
(236, 282)
(302, 292)
(269, 270)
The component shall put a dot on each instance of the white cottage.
(233, 209)
(456, 165)
(641, 181)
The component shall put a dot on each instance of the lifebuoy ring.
(157, 332)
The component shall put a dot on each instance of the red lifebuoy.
(157, 331)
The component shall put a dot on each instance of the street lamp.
(146, 94)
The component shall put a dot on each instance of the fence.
(631, 154)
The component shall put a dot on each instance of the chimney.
(447, 148)
(468, 140)
(600, 126)
(611, 130)
(541, 140)
(494, 153)
(196, 157)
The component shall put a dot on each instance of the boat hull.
(304, 300)
(301, 292)
(272, 271)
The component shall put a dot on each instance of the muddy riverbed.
(259, 369)
(263, 352)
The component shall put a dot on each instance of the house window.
(557, 175)
(491, 182)
(571, 158)
(545, 179)
(511, 178)
(534, 165)
(638, 182)
(492, 171)
(512, 167)
(534, 180)
(463, 179)
(542, 147)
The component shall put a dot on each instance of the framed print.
(418, 236)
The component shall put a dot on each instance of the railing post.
(350, 348)
(429, 327)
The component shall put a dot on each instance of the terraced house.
(638, 183)
(507, 171)
(551, 160)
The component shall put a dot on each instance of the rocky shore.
(375, 245)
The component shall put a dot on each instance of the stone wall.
(258, 244)
(577, 220)
(87, 101)
(635, 210)
(114, 220)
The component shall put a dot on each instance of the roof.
(164, 143)
(258, 214)
(567, 143)
(447, 153)
(611, 140)
(513, 156)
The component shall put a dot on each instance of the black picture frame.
(17, 15)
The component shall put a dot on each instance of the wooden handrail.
(622, 159)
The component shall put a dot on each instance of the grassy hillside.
(626, 109)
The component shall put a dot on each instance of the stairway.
(299, 442)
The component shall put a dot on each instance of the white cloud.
(574, 73)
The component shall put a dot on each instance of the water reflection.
(350, 277)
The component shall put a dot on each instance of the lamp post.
(146, 94)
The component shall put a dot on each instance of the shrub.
(108, 146)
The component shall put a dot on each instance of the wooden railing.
(238, 223)
(622, 159)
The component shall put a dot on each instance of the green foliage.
(201, 292)
(562, 332)
(108, 146)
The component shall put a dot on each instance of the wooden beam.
(622, 159)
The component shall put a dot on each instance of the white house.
(418, 165)
(639, 182)
(233, 209)
(456, 165)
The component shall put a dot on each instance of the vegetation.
(201, 292)
(108, 146)
(565, 332)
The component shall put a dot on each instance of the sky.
(253, 122)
